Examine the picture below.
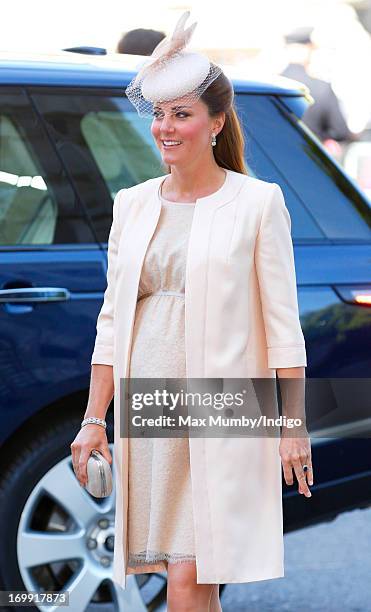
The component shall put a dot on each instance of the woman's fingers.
(306, 459)
(75, 459)
(287, 471)
(310, 472)
(82, 471)
(296, 452)
(301, 476)
(89, 437)
(76, 462)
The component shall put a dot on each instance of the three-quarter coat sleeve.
(103, 348)
(274, 257)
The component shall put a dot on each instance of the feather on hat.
(172, 72)
(169, 46)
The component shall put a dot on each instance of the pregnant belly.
(158, 345)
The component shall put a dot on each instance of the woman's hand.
(90, 437)
(296, 452)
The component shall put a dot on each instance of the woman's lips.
(167, 146)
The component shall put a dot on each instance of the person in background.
(139, 42)
(324, 117)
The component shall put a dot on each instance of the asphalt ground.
(327, 569)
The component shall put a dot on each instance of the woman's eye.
(159, 115)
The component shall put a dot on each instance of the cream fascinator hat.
(171, 72)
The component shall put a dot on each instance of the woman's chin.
(170, 154)
(171, 158)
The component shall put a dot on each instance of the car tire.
(35, 506)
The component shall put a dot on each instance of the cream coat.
(241, 320)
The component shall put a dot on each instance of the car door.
(331, 232)
(52, 271)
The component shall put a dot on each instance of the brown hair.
(230, 142)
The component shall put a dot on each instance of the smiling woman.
(183, 137)
(202, 290)
(183, 133)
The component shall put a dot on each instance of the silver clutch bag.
(99, 475)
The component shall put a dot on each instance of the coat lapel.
(199, 349)
(205, 221)
(135, 238)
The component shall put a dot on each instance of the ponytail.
(230, 143)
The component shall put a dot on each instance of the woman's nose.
(167, 124)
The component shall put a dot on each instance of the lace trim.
(151, 556)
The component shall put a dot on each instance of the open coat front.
(241, 320)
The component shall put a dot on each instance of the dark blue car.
(69, 141)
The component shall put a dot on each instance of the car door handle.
(35, 294)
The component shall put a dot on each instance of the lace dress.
(160, 516)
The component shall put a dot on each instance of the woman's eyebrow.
(173, 109)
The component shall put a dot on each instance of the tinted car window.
(37, 205)
(323, 204)
(103, 142)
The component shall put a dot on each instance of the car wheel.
(57, 537)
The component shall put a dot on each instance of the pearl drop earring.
(213, 140)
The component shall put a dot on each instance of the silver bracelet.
(94, 420)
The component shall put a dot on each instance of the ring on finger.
(307, 467)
